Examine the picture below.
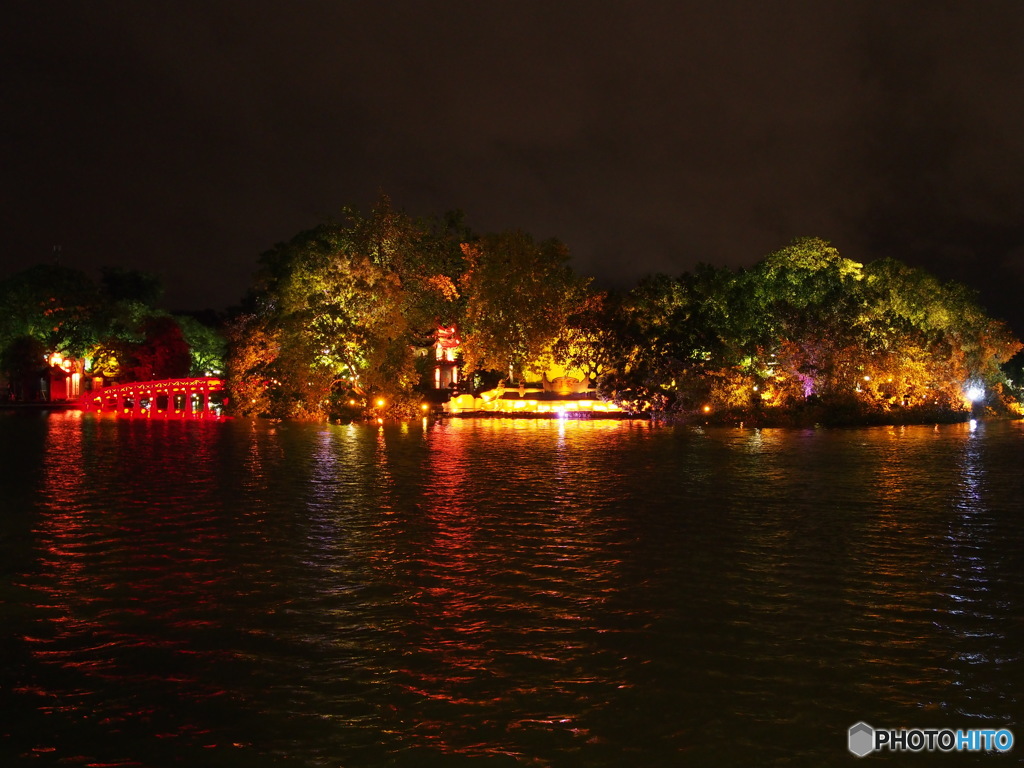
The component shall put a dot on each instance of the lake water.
(521, 593)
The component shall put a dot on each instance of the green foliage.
(252, 349)
(207, 346)
(337, 314)
(339, 310)
(114, 325)
(519, 297)
(53, 304)
(804, 327)
(673, 336)
(588, 338)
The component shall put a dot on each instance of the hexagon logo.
(861, 739)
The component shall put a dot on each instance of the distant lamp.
(380, 403)
(974, 393)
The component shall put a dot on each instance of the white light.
(975, 393)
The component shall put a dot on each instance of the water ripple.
(494, 592)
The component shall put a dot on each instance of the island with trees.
(343, 322)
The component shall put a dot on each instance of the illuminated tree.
(519, 297)
(588, 340)
(127, 318)
(163, 353)
(932, 338)
(340, 308)
(338, 311)
(804, 328)
(252, 350)
(650, 346)
(680, 340)
(207, 346)
(53, 304)
(812, 306)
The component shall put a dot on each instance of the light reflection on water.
(507, 592)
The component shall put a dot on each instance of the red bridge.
(201, 398)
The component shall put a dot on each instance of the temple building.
(63, 379)
(560, 393)
(446, 369)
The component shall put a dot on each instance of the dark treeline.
(339, 320)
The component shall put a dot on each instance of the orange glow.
(581, 404)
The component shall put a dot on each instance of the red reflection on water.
(485, 609)
(119, 599)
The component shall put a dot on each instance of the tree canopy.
(113, 324)
(341, 319)
(806, 329)
(338, 312)
(519, 297)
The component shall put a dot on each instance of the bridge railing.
(196, 398)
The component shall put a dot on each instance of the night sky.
(186, 138)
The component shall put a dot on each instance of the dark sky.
(186, 138)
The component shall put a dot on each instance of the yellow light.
(707, 409)
(423, 407)
(380, 403)
(351, 402)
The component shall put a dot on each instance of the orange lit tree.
(337, 312)
(520, 295)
